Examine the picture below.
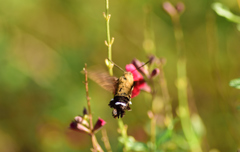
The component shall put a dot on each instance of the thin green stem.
(148, 43)
(149, 48)
(110, 65)
(184, 112)
(123, 132)
(96, 146)
(88, 98)
(238, 1)
(165, 93)
(153, 133)
(109, 40)
(152, 117)
(106, 140)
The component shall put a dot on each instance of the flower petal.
(81, 120)
(78, 119)
(146, 87)
(136, 75)
(135, 92)
(79, 127)
(100, 122)
(170, 9)
(140, 85)
(138, 64)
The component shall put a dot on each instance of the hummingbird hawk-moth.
(121, 88)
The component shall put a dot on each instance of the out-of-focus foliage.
(45, 43)
(223, 11)
(235, 83)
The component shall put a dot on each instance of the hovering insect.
(121, 87)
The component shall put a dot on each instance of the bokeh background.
(45, 43)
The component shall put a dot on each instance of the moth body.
(121, 88)
(122, 96)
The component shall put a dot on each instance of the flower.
(142, 70)
(139, 82)
(81, 124)
(100, 122)
(154, 73)
(170, 9)
(85, 112)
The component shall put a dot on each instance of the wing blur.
(103, 79)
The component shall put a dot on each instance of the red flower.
(154, 72)
(100, 122)
(140, 83)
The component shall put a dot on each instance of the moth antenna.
(141, 66)
(116, 65)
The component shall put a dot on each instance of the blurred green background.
(45, 43)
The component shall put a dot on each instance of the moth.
(121, 88)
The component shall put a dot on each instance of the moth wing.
(103, 79)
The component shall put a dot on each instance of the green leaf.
(163, 137)
(238, 27)
(235, 83)
(223, 11)
(132, 144)
(139, 146)
(238, 107)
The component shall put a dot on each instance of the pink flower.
(81, 124)
(77, 126)
(140, 83)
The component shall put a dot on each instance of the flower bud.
(78, 119)
(180, 7)
(170, 9)
(79, 127)
(100, 122)
(155, 72)
(81, 120)
(85, 112)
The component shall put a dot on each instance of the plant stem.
(153, 133)
(123, 132)
(165, 93)
(106, 140)
(148, 43)
(109, 41)
(96, 146)
(88, 98)
(150, 48)
(184, 113)
(238, 1)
